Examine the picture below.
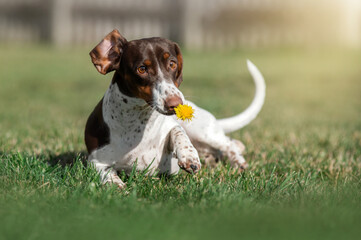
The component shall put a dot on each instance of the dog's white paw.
(188, 159)
(238, 162)
(114, 179)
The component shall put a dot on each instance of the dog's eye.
(172, 65)
(142, 69)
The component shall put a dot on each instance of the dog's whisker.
(187, 97)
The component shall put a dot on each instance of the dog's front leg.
(183, 149)
(107, 174)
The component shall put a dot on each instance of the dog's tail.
(244, 118)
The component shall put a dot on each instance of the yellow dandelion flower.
(184, 112)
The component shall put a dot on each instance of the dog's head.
(150, 68)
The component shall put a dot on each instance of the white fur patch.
(138, 134)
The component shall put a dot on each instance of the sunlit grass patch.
(303, 150)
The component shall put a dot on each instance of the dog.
(134, 124)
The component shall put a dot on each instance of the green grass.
(304, 151)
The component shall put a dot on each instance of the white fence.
(194, 23)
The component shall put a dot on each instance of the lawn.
(304, 151)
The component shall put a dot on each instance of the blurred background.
(309, 52)
(193, 23)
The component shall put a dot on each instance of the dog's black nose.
(172, 102)
(194, 167)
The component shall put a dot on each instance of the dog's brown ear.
(179, 75)
(106, 55)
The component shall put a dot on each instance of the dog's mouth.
(160, 109)
(164, 112)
